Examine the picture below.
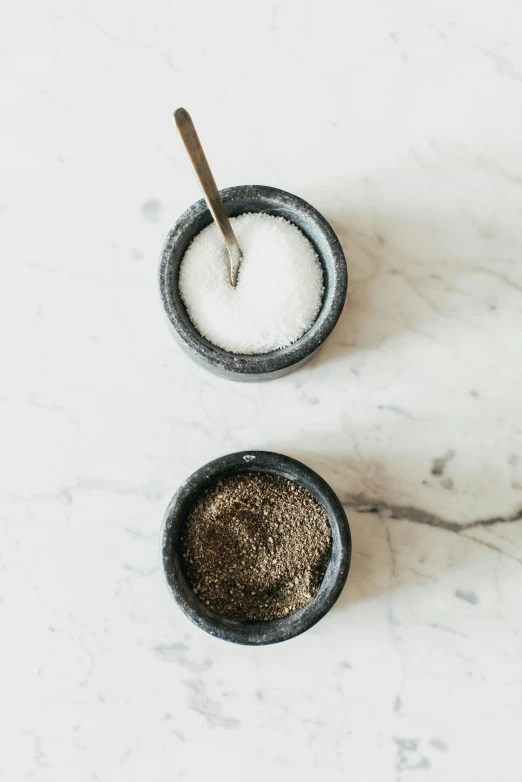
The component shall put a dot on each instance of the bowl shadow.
(396, 281)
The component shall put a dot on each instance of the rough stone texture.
(244, 631)
(237, 200)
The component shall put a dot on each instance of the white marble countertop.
(402, 123)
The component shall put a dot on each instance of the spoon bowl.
(264, 366)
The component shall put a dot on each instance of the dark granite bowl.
(265, 366)
(244, 631)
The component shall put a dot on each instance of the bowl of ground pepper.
(290, 291)
(255, 547)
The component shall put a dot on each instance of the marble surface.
(402, 123)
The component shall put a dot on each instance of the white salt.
(279, 287)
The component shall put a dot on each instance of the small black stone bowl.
(245, 631)
(264, 366)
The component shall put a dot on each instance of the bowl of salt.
(270, 314)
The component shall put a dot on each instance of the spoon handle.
(197, 157)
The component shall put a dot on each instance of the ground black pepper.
(256, 546)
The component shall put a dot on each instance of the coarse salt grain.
(279, 288)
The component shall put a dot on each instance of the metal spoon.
(197, 157)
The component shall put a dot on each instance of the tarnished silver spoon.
(213, 198)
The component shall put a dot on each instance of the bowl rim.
(243, 631)
(275, 361)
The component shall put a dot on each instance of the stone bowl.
(265, 366)
(245, 631)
